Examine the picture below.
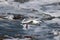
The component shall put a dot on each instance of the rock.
(49, 18)
(1, 16)
(27, 36)
(21, 1)
(46, 16)
(19, 17)
(34, 10)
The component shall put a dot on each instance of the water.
(11, 28)
(36, 8)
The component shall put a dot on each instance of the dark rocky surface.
(21, 1)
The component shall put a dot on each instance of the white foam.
(18, 39)
(9, 17)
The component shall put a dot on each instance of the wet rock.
(21, 17)
(21, 1)
(46, 16)
(59, 3)
(34, 10)
(49, 18)
(27, 36)
(1, 16)
(2, 36)
(58, 17)
(17, 16)
(6, 0)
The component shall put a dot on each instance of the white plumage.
(33, 21)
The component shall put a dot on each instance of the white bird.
(36, 21)
(31, 21)
(26, 23)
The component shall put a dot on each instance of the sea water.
(39, 32)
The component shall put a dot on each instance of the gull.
(26, 23)
(31, 21)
